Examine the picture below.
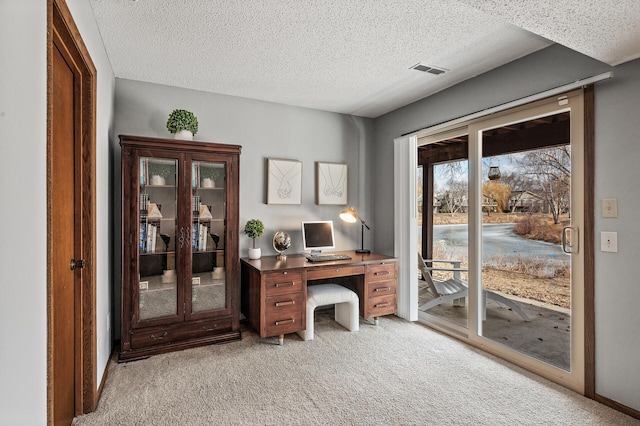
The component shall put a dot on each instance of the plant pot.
(254, 253)
(183, 135)
(157, 180)
(207, 183)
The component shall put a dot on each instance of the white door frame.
(406, 243)
(405, 225)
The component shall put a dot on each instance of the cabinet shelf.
(156, 253)
(158, 186)
(208, 251)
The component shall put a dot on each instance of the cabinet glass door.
(208, 222)
(158, 295)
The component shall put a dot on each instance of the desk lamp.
(350, 215)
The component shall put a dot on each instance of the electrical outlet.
(144, 285)
(609, 242)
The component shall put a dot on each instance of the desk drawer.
(284, 303)
(383, 288)
(319, 273)
(381, 272)
(383, 305)
(283, 282)
(284, 323)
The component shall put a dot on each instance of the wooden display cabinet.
(180, 274)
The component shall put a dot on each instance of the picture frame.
(284, 181)
(331, 183)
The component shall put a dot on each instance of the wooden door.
(71, 344)
(62, 223)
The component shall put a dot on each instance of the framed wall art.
(284, 181)
(331, 183)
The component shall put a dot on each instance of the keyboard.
(327, 257)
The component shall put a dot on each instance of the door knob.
(76, 264)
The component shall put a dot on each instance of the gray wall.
(23, 218)
(617, 150)
(617, 291)
(23, 226)
(265, 130)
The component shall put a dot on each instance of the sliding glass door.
(510, 242)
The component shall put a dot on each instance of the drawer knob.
(160, 337)
(381, 305)
(382, 273)
(283, 322)
(289, 284)
(382, 289)
(210, 329)
(286, 303)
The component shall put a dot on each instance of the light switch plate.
(609, 207)
(609, 242)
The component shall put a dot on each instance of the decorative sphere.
(281, 241)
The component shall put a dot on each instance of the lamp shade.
(349, 215)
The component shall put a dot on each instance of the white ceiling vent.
(429, 69)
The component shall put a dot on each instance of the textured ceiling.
(348, 56)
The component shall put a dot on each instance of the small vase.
(207, 183)
(183, 135)
(157, 180)
(254, 253)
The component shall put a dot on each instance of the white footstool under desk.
(346, 304)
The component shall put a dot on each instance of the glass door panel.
(443, 234)
(158, 296)
(208, 227)
(526, 276)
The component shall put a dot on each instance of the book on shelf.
(202, 237)
(195, 205)
(195, 233)
(144, 204)
(142, 244)
(152, 233)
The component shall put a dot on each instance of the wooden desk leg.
(281, 339)
(375, 320)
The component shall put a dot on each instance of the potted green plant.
(159, 171)
(209, 176)
(183, 124)
(254, 228)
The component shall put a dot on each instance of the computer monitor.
(317, 235)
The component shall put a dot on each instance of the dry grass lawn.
(553, 290)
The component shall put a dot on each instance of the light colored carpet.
(397, 373)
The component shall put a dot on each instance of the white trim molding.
(406, 225)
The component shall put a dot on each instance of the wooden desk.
(274, 292)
